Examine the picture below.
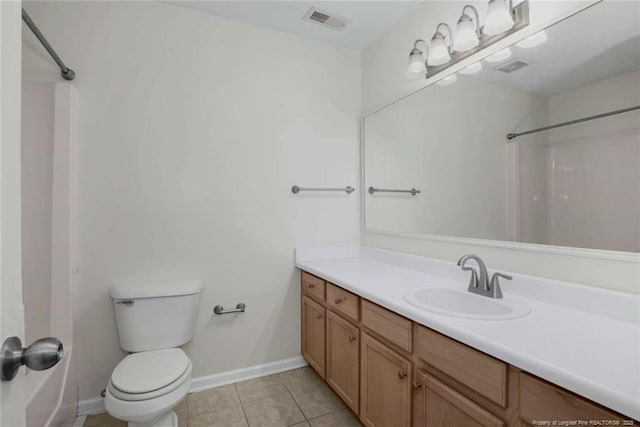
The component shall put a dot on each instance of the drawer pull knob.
(417, 384)
(319, 316)
(402, 374)
(352, 339)
(338, 300)
(311, 286)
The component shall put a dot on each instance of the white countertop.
(582, 338)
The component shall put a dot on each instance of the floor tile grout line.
(297, 404)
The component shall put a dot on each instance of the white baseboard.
(96, 405)
(243, 374)
(91, 406)
(79, 421)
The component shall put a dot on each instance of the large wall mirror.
(576, 185)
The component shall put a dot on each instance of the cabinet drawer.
(541, 401)
(343, 301)
(313, 286)
(394, 328)
(476, 370)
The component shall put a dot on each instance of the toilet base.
(169, 420)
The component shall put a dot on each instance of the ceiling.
(369, 19)
(595, 44)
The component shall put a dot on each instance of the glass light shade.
(499, 18)
(532, 41)
(472, 69)
(500, 55)
(439, 51)
(466, 36)
(417, 68)
(449, 80)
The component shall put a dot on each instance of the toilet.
(153, 321)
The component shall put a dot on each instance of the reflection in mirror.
(576, 185)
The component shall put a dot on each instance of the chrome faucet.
(479, 282)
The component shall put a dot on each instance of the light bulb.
(472, 69)
(500, 55)
(466, 36)
(439, 51)
(532, 41)
(449, 80)
(417, 68)
(499, 18)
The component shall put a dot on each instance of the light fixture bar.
(520, 15)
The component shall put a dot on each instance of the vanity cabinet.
(343, 359)
(540, 400)
(385, 385)
(438, 405)
(393, 372)
(313, 334)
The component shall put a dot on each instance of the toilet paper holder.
(240, 308)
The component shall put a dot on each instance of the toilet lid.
(149, 370)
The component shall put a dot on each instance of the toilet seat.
(149, 374)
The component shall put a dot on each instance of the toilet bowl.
(153, 321)
(146, 386)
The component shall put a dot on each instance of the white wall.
(383, 80)
(191, 130)
(37, 174)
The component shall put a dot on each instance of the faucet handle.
(497, 275)
(495, 284)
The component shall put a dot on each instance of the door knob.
(42, 354)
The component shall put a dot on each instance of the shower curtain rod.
(573, 122)
(66, 72)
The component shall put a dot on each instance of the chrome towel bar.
(240, 308)
(373, 190)
(348, 189)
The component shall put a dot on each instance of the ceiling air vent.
(325, 19)
(512, 66)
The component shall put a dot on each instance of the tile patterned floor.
(293, 398)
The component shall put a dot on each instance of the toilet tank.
(156, 316)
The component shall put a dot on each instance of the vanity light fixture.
(417, 67)
(500, 55)
(440, 49)
(499, 18)
(472, 69)
(467, 30)
(532, 41)
(445, 49)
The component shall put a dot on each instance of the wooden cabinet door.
(438, 405)
(343, 361)
(313, 337)
(385, 385)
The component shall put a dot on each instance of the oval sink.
(464, 304)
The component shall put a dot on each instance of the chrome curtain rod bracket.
(296, 189)
(240, 308)
(573, 122)
(66, 72)
(373, 190)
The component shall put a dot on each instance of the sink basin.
(464, 304)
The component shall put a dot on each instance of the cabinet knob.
(311, 286)
(416, 384)
(402, 374)
(319, 316)
(352, 339)
(338, 300)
